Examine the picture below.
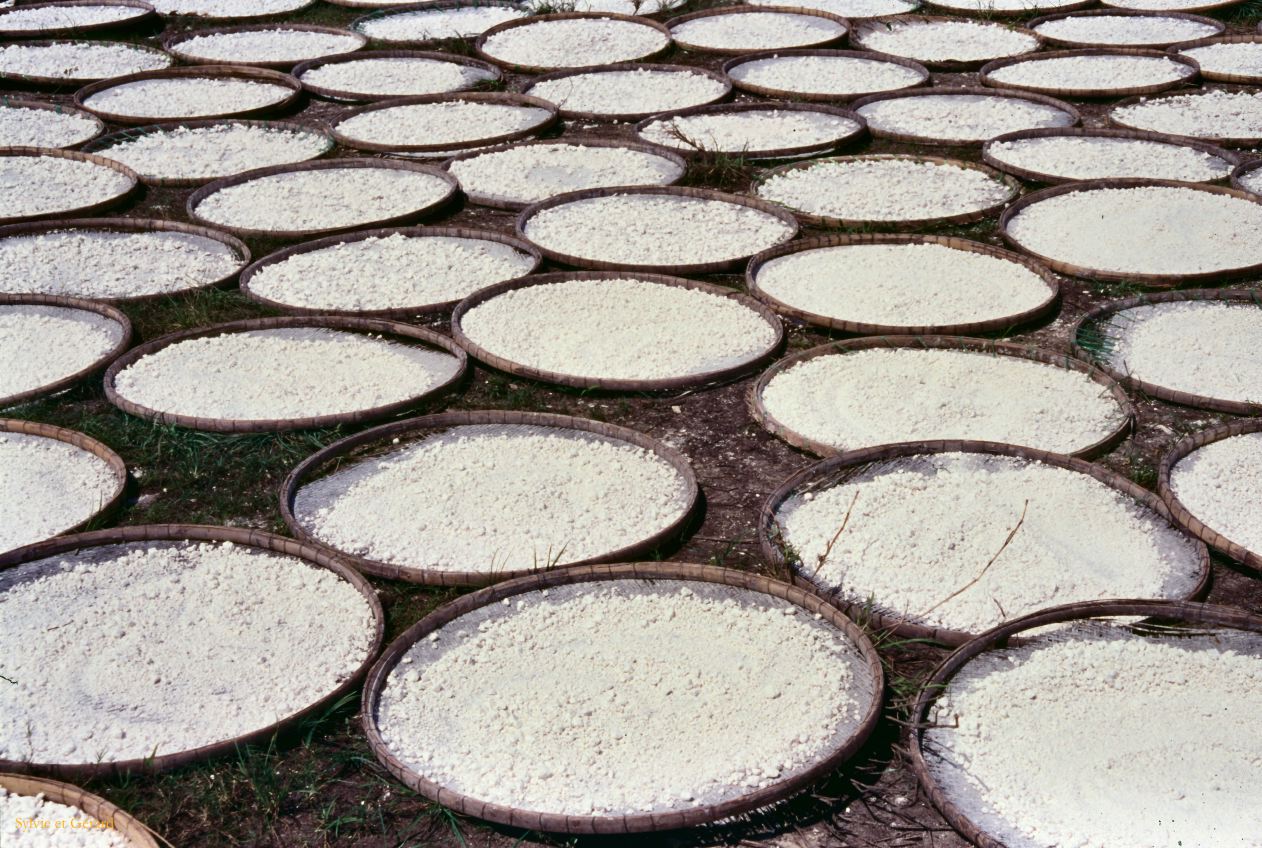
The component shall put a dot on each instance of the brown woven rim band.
(135, 832)
(240, 72)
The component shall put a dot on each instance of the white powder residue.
(207, 153)
(64, 17)
(80, 830)
(152, 648)
(227, 8)
(267, 45)
(43, 344)
(21, 126)
(841, 76)
(1221, 484)
(42, 185)
(643, 91)
(1126, 30)
(395, 76)
(1104, 157)
(749, 131)
(945, 40)
(453, 122)
(756, 31)
(435, 24)
(961, 117)
(575, 43)
(79, 60)
(1210, 113)
(654, 658)
(1241, 58)
(186, 97)
(1092, 73)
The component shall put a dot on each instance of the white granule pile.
(756, 31)
(395, 76)
(491, 498)
(79, 831)
(323, 199)
(533, 172)
(282, 373)
(21, 126)
(187, 97)
(434, 24)
(575, 43)
(52, 486)
(751, 131)
(109, 264)
(922, 528)
(207, 153)
(1098, 737)
(271, 45)
(841, 76)
(617, 7)
(1220, 485)
(946, 41)
(1242, 58)
(1251, 180)
(394, 272)
(451, 122)
(875, 397)
(43, 344)
(110, 670)
(961, 117)
(64, 17)
(985, 7)
(656, 230)
(1207, 114)
(1092, 73)
(852, 8)
(1125, 30)
(1160, 5)
(1146, 230)
(859, 189)
(625, 329)
(623, 697)
(643, 91)
(1202, 348)
(42, 185)
(227, 8)
(1104, 157)
(79, 60)
(909, 285)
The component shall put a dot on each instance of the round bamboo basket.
(1184, 516)
(701, 153)
(300, 6)
(171, 43)
(386, 438)
(758, 10)
(8, 103)
(1225, 140)
(993, 348)
(1034, 8)
(786, 94)
(380, 11)
(138, 225)
(479, 45)
(102, 145)
(41, 81)
(492, 97)
(397, 331)
(362, 55)
(1002, 324)
(707, 378)
(1232, 159)
(1088, 325)
(1208, 6)
(862, 31)
(96, 367)
(627, 66)
(949, 91)
(1147, 280)
(638, 146)
(201, 533)
(239, 72)
(1242, 172)
(837, 470)
(1103, 91)
(523, 220)
(83, 209)
(142, 14)
(1115, 13)
(1222, 76)
(1014, 189)
(137, 834)
(635, 823)
(1185, 613)
(324, 165)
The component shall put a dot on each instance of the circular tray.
(1060, 360)
(67, 82)
(1182, 398)
(144, 15)
(771, 152)
(255, 16)
(1123, 13)
(73, 211)
(350, 449)
(171, 43)
(837, 469)
(989, 13)
(979, 91)
(212, 71)
(627, 66)
(784, 94)
(123, 823)
(201, 533)
(356, 97)
(1220, 76)
(500, 97)
(480, 43)
(68, 303)
(991, 325)
(384, 11)
(637, 823)
(948, 65)
(61, 110)
(1080, 93)
(1207, 6)
(411, 333)
(761, 10)
(1228, 141)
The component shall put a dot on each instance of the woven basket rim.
(1127, 13)
(278, 256)
(852, 98)
(819, 472)
(145, 13)
(761, 106)
(412, 428)
(981, 327)
(190, 205)
(171, 43)
(205, 533)
(206, 71)
(1222, 140)
(1054, 359)
(1182, 611)
(414, 335)
(96, 367)
(779, 212)
(988, 70)
(361, 55)
(1209, 6)
(136, 832)
(8, 102)
(959, 91)
(1149, 280)
(1244, 296)
(278, 15)
(501, 97)
(133, 181)
(1242, 170)
(372, 12)
(750, 9)
(480, 42)
(628, 66)
(1072, 6)
(692, 381)
(69, 82)
(1221, 76)
(866, 25)
(636, 823)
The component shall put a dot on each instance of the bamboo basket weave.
(626, 66)
(201, 533)
(172, 43)
(133, 179)
(703, 154)
(866, 27)
(837, 470)
(636, 823)
(238, 72)
(973, 91)
(10, 103)
(1224, 140)
(788, 9)
(1124, 13)
(479, 45)
(362, 55)
(40, 81)
(1103, 91)
(137, 834)
(380, 11)
(1222, 76)
(786, 94)
(492, 97)
(143, 15)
